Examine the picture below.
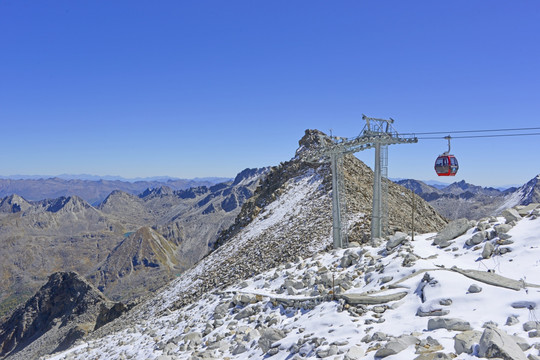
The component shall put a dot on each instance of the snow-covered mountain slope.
(525, 195)
(474, 295)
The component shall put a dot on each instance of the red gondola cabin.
(446, 165)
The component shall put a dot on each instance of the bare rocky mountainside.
(127, 245)
(288, 217)
(461, 199)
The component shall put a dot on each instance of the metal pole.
(376, 211)
(336, 211)
(412, 220)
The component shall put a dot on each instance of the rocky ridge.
(63, 310)
(359, 193)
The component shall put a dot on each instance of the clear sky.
(208, 88)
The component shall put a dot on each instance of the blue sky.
(208, 88)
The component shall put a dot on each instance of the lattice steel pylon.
(378, 134)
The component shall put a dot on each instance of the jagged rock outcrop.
(63, 310)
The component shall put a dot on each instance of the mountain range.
(91, 190)
(127, 245)
(461, 199)
(245, 269)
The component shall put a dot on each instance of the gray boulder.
(221, 310)
(268, 337)
(431, 312)
(294, 284)
(483, 226)
(445, 302)
(329, 351)
(526, 210)
(354, 353)
(397, 239)
(391, 348)
(239, 349)
(496, 343)
(379, 336)
(245, 313)
(244, 299)
(511, 215)
(356, 299)
(409, 339)
(452, 230)
(445, 243)
(488, 250)
(502, 228)
(531, 325)
(504, 239)
(511, 320)
(448, 324)
(409, 260)
(474, 288)
(194, 338)
(349, 258)
(531, 305)
(465, 341)
(476, 239)
(434, 356)
(428, 345)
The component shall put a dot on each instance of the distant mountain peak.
(71, 203)
(13, 204)
(156, 192)
(140, 252)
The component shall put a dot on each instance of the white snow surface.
(329, 324)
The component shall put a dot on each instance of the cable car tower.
(378, 134)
